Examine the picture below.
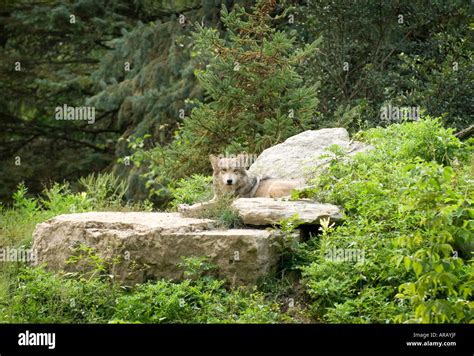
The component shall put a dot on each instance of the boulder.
(269, 211)
(150, 245)
(299, 156)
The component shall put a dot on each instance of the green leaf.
(418, 268)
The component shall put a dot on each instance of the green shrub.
(194, 302)
(59, 199)
(101, 192)
(426, 139)
(196, 189)
(198, 300)
(37, 296)
(104, 190)
(221, 211)
(388, 63)
(409, 209)
(17, 223)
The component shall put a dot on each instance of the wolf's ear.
(214, 160)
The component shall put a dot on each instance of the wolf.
(230, 177)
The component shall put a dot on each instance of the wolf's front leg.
(186, 209)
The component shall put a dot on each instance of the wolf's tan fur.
(230, 177)
(276, 188)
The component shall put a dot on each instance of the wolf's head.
(230, 174)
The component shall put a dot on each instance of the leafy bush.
(17, 223)
(59, 199)
(415, 63)
(37, 296)
(426, 139)
(201, 299)
(104, 190)
(101, 192)
(221, 211)
(408, 210)
(196, 189)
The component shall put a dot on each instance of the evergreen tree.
(150, 95)
(129, 60)
(48, 50)
(254, 96)
(375, 53)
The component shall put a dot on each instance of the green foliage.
(409, 211)
(292, 248)
(408, 202)
(17, 223)
(100, 192)
(375, 53)
(194, 302)
(32, 295)
(427, 140)
(22, 203)
(51, 76)
(255, 96)
(196, 189)
(202, 300)
(37, 296)
(92, 265)
(423, 61)
(196, 267)
(104, 190)
(60, 199)
(221, 211)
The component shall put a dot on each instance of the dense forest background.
(174, 81)
(135, 61)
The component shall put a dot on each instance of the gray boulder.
(269, 211)
(150, 245)
(299, 156)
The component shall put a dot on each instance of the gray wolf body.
(230, 177)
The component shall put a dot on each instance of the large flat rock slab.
(299, 157)
(242, 255)
(151, 245)
(135, 220)
(270, 211)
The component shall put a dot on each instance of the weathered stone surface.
(269, 211)
(150, 245)
(299, 156)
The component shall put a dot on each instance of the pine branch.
(466, 133)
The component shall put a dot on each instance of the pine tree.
(48, 50)
(255, 97)
(128, 59)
